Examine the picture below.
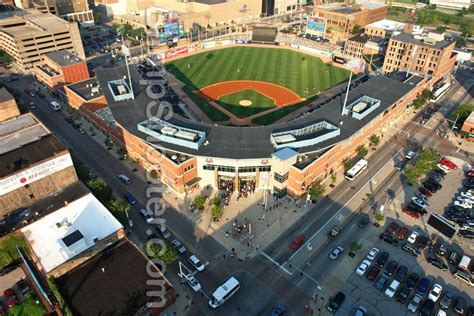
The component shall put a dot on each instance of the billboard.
(316, 26)
(35, 173)
(170, 29)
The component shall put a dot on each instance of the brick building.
(220, 156)
(341, 19)
(467, 129)
(8, 107)
(28, 37)
(61, 68)
(427, 54)
(35, 164)
(362, 45)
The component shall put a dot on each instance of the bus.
(438, 93)
(224, 292)
(357, 169)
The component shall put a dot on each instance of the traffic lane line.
(344, 206)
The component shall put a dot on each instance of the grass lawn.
(276, 115)
(213, 113)
(8, 251)
(288, 68)
(259, 103)
(28, 307)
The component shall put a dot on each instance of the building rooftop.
(64, 58)
(69, 231)
(364, 38)
(388, 25)
(421, 40)
(113, 282)
(32, 23)
(470, 118)
(29, 213)
(88, 89)
(248, 142)
(5, 95)
(346, 10)
(353, 8)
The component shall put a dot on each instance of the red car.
(425, 191)
(298, 242)
(470, 173)
(10, 298)
(449, 164)
(402, 233)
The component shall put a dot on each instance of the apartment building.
(71, 10)
(27, 38)
(384, 28)
(426, 54)
(61, 68)
(341, 19)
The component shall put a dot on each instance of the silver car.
(415, 303)
(336, 252)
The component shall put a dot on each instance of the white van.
(55, 105)
(464, 263)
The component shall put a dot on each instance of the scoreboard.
(264, 34)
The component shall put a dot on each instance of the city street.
(280, 274)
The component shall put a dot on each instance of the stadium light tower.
(347, 94)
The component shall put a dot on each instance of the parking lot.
(97, 40)
(433, 247)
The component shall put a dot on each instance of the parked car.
(412, 280)
(360, 311)
(336, 302)
(464, 276)
(278, 310)
(466, 233)
(124, 179)
(412, 238)
(364, 220)
(23, 285)
(411, 250)
(442, 250)
(363, 267)
(402, 233)
(163, 231)
(448, 163)
(147, 215)
(438, 263)
(392, 289)
(391, 267)
(130, 198)
(382, 259)
(10, 298)
(373, 272)
(423, 286)
(179, 246)
(392, 228)
(336, 252)
(297, 242)
(459, 305)
(422, 242)
(435, 292)
(454, 258)
(389, 239)
(381, 281)
(425, 191)
(403, 295)
(464, 205)
(446, 300)
(196, 263)
(427, 308)
(443, 168)
(418, 201)
(193, 282)
(372, 253)
(401, 273)
(415, 303)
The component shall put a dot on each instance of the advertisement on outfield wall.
(208, 45)
(316, 51)
(316, 26)
(35, 173)
(176, 52)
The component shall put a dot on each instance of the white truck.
(464, 263)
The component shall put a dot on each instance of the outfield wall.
(199, 47)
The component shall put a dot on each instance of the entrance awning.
(192, 182)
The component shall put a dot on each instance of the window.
(208, 167)
(280, 178)
(188, 168)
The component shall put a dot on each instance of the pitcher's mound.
(245, 102)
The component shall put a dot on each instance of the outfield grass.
(260, 103)
(213, 113)
(288, 68)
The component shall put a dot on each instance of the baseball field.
(246, 81)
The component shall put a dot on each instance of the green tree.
(199, 201)
(357, 29)
(362, 151)
(59, 298)
(97, 17)
(461, 113)
(115, 26)
(82, 171)
(461, 41)
(100, 189)
(138, 33)
(347, 164)
(119, 210)
(316, 190)
(216, 211)
(168, 256)
(216, 201)
(379, 218)
(355, 246)
(5, 58)
(374, 140)
(333, 178)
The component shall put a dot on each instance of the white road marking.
(276, 263)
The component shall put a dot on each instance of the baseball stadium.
(274, 117)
